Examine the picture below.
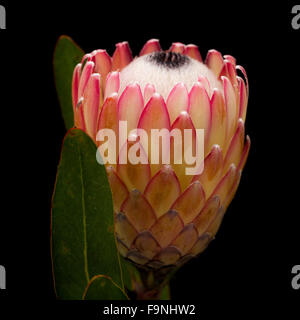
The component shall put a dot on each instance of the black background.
(247, 269)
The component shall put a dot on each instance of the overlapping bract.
(162, 215)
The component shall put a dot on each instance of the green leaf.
(103, 288)
(83, 242)
(165, 293)
(130, 273)
(66, 55)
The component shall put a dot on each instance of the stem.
(152, 282)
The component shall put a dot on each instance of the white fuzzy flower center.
(164, 71)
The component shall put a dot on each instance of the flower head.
(164, 216)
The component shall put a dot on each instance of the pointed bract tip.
(216, 147)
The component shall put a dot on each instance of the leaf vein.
(86, 270)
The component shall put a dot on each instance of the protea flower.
(163, 216)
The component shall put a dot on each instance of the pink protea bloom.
(162, 215)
